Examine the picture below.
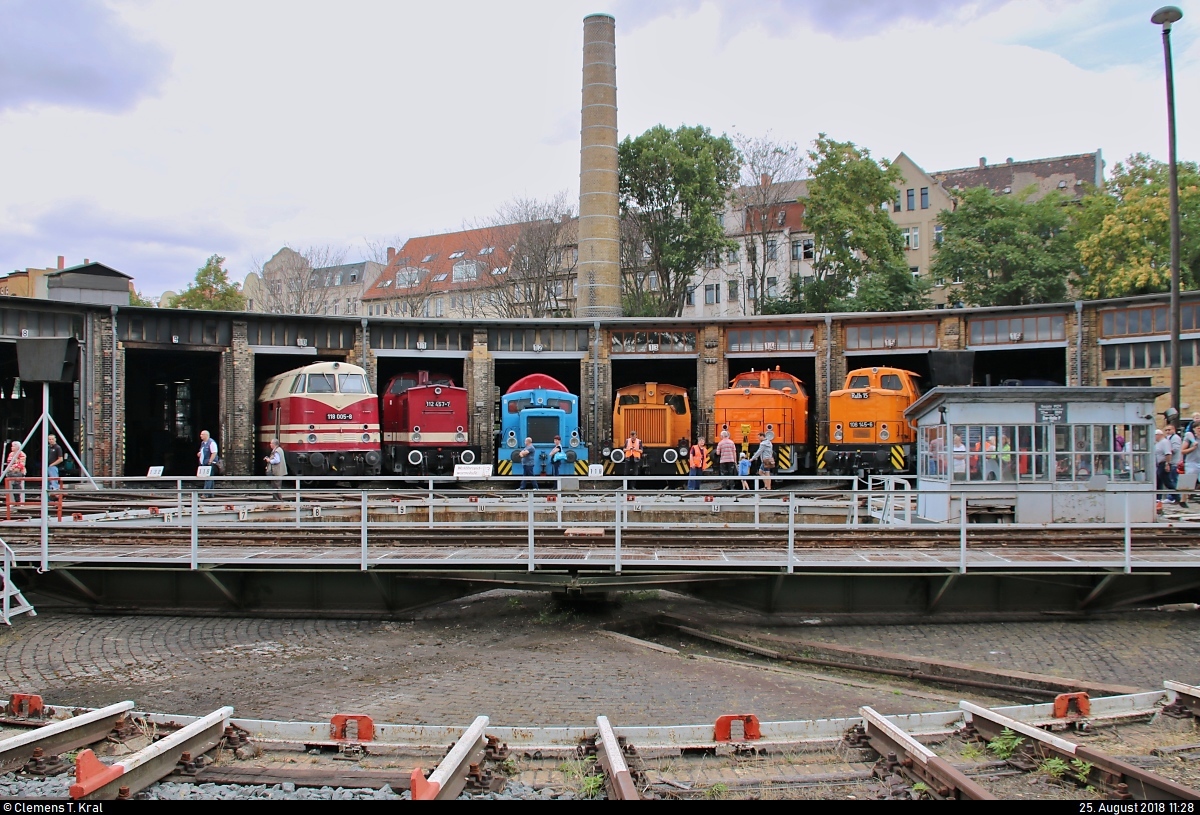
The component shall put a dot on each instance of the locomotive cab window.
(629, 399)
(517, 405)
(746, 383)
(352, 383)
(320, 383)
(677, 403)
(402, 384)
(891, 382)
(297, 384)
(860, 381)
(785, 385)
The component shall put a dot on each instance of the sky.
(151, 134)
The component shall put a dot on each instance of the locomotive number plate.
(338, 417)
(862, 424)
(437, 404)
(859, 395)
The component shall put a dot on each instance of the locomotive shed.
(149, 380)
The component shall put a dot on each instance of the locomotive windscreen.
(542, 429)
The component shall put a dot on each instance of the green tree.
(212, 290)
(1123, 231)
(1007, 249)
(673, 187)
(859, 253)
(136, 298)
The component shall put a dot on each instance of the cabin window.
(891, 382)
(629, 399)
(320, 383)
(746, 383)
(677, 402)
(352, 383)
(517, 405)
(297, 384)
(859, 381)
(402, 384)
(781, 384)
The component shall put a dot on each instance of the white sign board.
(154, 472)
(204, 472)
(472, 472)
(595, 471)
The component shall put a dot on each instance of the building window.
(1146, 320)
(912, 200)
(733, 291)
(957, 278)
(464, 270)
(899, 335)
(691, 295)
(751, 289)
(1010, 330)
(924, 197)
(937, 234)
(939, 282)
(916, 271)
(487, 250)
(809, 248)
(772, 287)
(797, 250)
(721, 219)
(712, 294)
(896, 206)
(772, 248)
(458, 254)
(916, 237)
(731, 256)
(907, 238)
(770, 339)
(428, 258)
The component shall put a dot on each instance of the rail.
(449, 778)
(62, 736)
(915, 759)
(1095, 767)
(611, 758)
(604, 522)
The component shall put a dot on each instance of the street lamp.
(1164, 17)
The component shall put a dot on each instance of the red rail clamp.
(91, 774)
(338, 726)
(26, 704)
(1065, 701)
(724, 727)
(421, 788)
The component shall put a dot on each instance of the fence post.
(178, 499)
(195, 535)
(962, 533)
(529, 505)
(620, 503)
(792, 507)
(1128, 538)
(364, 530)
(854, 502)
(297, 500)
(431, 503)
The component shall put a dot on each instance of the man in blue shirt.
(528, 456)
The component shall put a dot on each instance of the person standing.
(1191, 455)
(557, 456)
(528, 456)
(743, 466)
(633, 454)
(1162, 463)
(207, 456)
(54, 455)
(1176, 461)
(697, 454)
(960, 459)
(727, 456)
(276, 468)
(14, 471)
(765, 456)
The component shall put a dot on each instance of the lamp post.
(1164, 17)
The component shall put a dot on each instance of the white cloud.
(323, 124)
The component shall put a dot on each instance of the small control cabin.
(1036, 454)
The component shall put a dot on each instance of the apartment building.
(291, 285)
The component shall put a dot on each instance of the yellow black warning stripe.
(783, 458)
(504, 467)
(822, 449)
(899, 459)
(581, 466)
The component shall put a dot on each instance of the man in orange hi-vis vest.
(633, 454)
(696, 458)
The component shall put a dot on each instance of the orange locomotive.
(867, 429)
(663, 420)
(773, 402)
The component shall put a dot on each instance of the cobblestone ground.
(523, 660)
(1139, 649)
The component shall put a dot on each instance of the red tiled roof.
(1068, 174)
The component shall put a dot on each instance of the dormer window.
(487, 250)
(457, 254)
(428, 258)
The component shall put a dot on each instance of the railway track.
(972, 753)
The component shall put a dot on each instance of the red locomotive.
(326, 418)
(425, 425)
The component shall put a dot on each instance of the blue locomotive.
(539, 407)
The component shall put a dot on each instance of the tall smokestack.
(599, 267)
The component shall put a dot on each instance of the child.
(744, 470)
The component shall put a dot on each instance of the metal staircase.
(14, 602)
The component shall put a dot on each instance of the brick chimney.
(983, 161)
(391, 255)
(764, 180)
(62, 263)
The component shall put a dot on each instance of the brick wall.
(479, 377)
(108, 409)
(238, 404)
(597, 387)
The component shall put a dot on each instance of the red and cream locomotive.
(326, 419)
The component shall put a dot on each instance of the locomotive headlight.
(884, 434)
(460, 436)
(437, 391)
(416, 437)
(606, 451)
(837, 432)
(366, 436)
(312, 438)
(574, 441)
(512, 439)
